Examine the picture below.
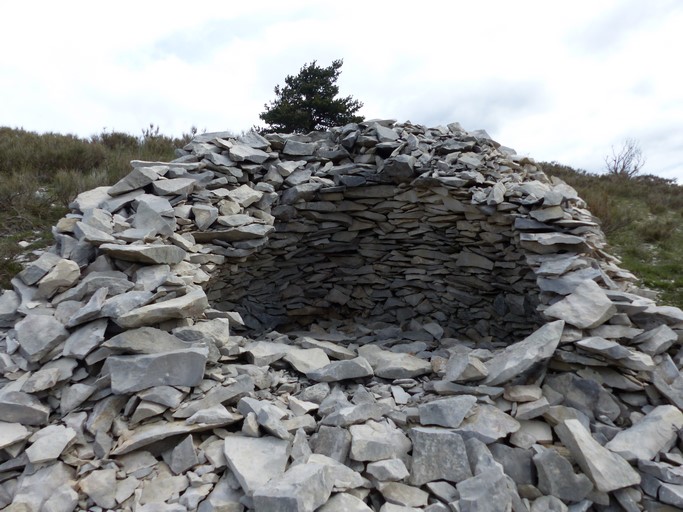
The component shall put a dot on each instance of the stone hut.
(383, 316)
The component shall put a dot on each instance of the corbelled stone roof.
(379, 317)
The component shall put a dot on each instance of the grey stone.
(333, 350)
(145, 340)
(223, 498)
(48, 443)
(548, 504)
(403, 494)
(256, 460)
(485, 492)
(136, 372)
(333, 442)
(488, 424)
(204, 215)
(244, 152)
(120, 304)
(193, 303)
(138, 178)
(306, 360)
(100, 486)
(229, 394)
(90, 311)
(587, 307)
(671, 494)
(295, 148)
(183, 456)
(438, 454)
(9, 305)
(446, 412)
(151, 222)
(608, 471)
(656, 432)
(521, 356)
(342, 370)
(375, 441)
(245, 196)
(92, 235)
(11, 433)
(85, 339)
(623, 356)
(343, 477)
(62, 276)
(301, 488)
(389, 470)
(151, 254)
(37, 269)
(344, 502)
(151, 433)
(391, 365)
(557, 478)
(175, 186)
(355, 414)
(517, 463)
(38, 335)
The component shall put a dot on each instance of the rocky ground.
(380, 317)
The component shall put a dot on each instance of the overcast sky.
(561, 81)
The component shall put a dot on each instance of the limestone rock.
(654, 433)
(177, 368)
(608, 471)
(587, 307)
(255, 461)
(301, 488)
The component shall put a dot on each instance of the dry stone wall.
(379, 317)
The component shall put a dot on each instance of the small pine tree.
(307, 102)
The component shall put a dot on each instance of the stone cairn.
(379, 317)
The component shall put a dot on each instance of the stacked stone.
(379, 317)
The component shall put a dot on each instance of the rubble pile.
(379, 317)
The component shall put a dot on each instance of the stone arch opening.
(387, 254)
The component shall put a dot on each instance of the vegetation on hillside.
(41, 173)
(642, 216)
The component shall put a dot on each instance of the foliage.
(628, 162)
(308, 102)
(642, 217)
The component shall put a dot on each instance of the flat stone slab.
(11, 433)
(587, 307)
(375, 441)
(393, 365)
(255, 461)
(342, 370)
(138, 372)
(656, 432)
(152, 432)
(438, 454)
(151, 254)
(519, 357)
(23, 408)
(38, 335)
(145, 340)
(193, 303)
(301, 488)
(607, 470)
(488, 424)
(447, 412)
(49, 443)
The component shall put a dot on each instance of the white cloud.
(557, 81)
